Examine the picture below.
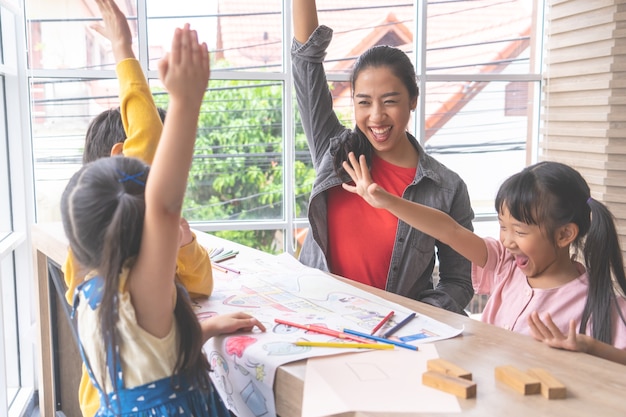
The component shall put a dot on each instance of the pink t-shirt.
(511, 299)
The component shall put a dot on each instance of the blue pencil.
(399, 325)
(380, 339)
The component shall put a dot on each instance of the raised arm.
(184, 73)
(115, 29)
(140, 117)
(431, 221)
(304, 19)
(315, 102)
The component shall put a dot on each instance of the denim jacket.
(434, 185)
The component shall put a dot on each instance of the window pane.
(360, 24)
(479, 36)
(237, 168)
(60, 37)
(62, 110)
(270, 241)
(237, 171)
(242, 35)
(480, 130)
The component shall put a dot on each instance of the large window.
(477, 61)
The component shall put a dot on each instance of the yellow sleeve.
(143, 127)
(88, 396)
(193, 267)
(140, 117)
(73, 275)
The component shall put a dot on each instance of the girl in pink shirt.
(547, 217)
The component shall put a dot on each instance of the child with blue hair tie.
(140, 339)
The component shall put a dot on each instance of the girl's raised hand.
(185, 70)
(363, 184)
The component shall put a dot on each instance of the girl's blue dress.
(171, 396)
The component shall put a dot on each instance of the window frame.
(15, 247)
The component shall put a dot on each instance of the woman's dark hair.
(401, 66)
(550, 195)
(104, 131)
(102, 210)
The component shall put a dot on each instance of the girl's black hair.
(375, 57)
(102, 210)
(552, 194)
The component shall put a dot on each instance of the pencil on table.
(224, 257)
(382, 322)
(219, 267)
(345, 345)
(380, 339)
(399, 325)
(323, 330)
(228, 268)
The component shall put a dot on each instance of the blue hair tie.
(133, 178)
(589, 200)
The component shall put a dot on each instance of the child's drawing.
(287, 290)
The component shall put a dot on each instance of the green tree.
(237, 172)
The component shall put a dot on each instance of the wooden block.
(551, 388)
(518, 380)
(448, 368)
(451, 384)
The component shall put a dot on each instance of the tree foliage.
(238, 167)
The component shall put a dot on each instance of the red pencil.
(382, 322)
(323, 330)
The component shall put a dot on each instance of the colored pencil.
(219, 267)
(223, 257)
(345, 345)
(228, 268)
(382, 322)
(399, 325)
(323, 330)
(380, 339)
(215, 252)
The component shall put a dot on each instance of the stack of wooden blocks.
(448, 377)
(534, 381)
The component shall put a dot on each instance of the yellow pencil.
(345, 345)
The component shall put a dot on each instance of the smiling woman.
(385, 91)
